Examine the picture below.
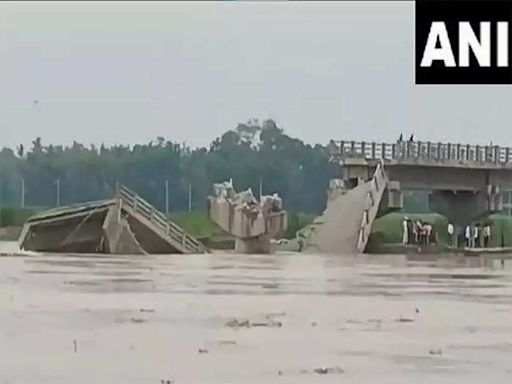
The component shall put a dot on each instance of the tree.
(253, 151)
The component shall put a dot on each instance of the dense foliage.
(251, 153)
(10, 216)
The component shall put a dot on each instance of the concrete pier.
(253, 223)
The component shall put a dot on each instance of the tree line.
(255, 153)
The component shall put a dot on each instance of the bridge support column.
(462, 207)
(253, 245)
(393, 198)
(495, 198)
(457, 206)
(354, 175)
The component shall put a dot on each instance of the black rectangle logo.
(463, 41)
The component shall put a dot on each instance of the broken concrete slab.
(126, 224)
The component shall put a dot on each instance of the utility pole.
(23, 193)
(189, 197)
(58, 192)
(261, 188)
(167, 197)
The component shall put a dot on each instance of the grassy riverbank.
(15, 216)
(501, 230)
(11, 221)
(198, 224)
(388, 228)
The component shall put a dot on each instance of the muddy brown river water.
(225, 318)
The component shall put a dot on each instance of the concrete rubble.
(253, 223)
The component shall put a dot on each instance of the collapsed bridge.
(464, 183)
(125, 224)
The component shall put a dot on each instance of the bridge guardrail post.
(373, 150)
(119, 210)
(117, 190)
(507, 154)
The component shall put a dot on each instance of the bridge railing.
(419, 149)
(149, 212)
(373, 197)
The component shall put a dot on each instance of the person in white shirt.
(427, 229)
(451, 232)
(487, 234)
(418, 230)
(405, 231)
(468, 236)
(476, 234)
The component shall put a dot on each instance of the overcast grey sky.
(128, 72)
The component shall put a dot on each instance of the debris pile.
(253, 223)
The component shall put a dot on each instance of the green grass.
(15, 216)
(388, 228)
(501, 230)
(198, 224)
(297, 221)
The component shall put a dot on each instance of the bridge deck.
(151, 217)
(151, 228)
(423, 153)
(346, 223)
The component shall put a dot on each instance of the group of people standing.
(418, 232)
(477, 235)
(423, 233)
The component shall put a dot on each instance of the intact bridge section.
(466, 181)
